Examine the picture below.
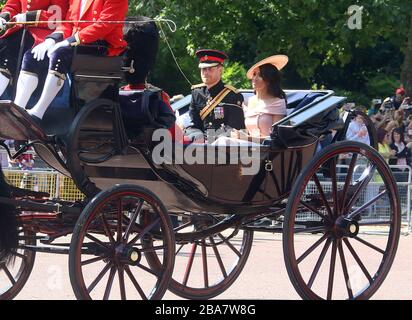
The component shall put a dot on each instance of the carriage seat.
(89, 66)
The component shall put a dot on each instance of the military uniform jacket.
(228, 112)
(89, 32)
(37, 10)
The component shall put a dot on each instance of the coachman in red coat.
(56, 52)
(10, 36)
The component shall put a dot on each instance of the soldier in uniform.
(22, 11)
(214, 105)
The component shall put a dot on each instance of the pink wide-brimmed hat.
(279, 61)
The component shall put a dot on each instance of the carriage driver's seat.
(92, 77)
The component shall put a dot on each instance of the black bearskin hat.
(143, 44)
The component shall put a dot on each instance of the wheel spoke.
(152, 272)
(180, 248)
(332, 270)
(322, 194)
(94, 239)
(109, 283)
(361, 186)
(93, 260)
(119, 220)
(135, 283)
(189, 264)
(319, 262)
(121, 284)
(107, 230)
(99, 277)
(21, 256)
(312, 248)
(332, 168)
(345, 270)
(205, 269)
(231, 246)
(366, 205)
(132, 220)
(9, 275)
(218, 257)
(370, 245)
(348, 178)
(309, 207)
(144, 231)
(358, 260)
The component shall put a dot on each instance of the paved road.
(264, 276)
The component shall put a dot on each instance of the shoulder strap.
(197, 86)
(231, 88)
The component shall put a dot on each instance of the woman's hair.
(400, 132)
(272, 76)
(381, 133)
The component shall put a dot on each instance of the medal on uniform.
(219, 113)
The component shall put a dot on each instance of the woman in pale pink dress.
(268, 105)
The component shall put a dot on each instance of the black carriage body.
(88, 142)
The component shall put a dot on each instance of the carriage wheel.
(14, 276)
(107, 258)
(207, 266)
(342, 227)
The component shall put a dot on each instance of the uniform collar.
(215, 90)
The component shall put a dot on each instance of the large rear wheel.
(342, 224)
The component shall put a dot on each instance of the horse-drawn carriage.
(146, 226)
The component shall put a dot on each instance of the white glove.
(3, 24)
(21, 17)
(58, 45)
(40, 50)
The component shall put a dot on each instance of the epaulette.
(231, 88)
(197, 86)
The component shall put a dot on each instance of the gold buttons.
(95, 12)
(28, 6)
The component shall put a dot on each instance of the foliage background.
(323, 51)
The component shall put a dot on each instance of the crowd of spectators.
(392, 119)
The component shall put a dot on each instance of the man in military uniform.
(214, 105)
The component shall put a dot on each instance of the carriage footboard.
(16, 124)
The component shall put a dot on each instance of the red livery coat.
(89, 32)
(37, 10)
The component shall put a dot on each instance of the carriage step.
(17, 124)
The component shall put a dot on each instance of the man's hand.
(61, 44)
(40, 50)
